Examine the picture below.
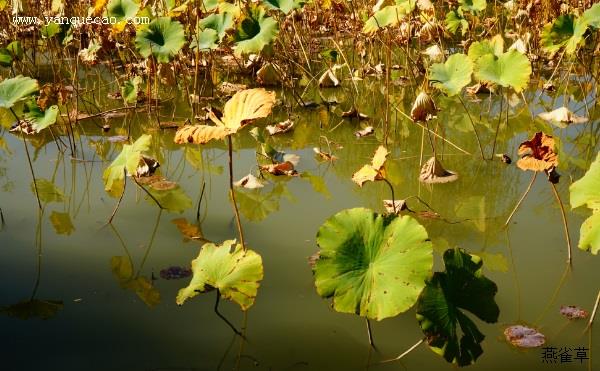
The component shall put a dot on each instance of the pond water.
(80, 270)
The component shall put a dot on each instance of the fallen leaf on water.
(175, 273)
(562, 117)
(537, 154)
(374, 171)
(283, 168)
(163, 185)
(573, 312)
(423, 109)
(433, 172)
(324, 155)
(249, 181)
(280, 128)
(364, 132)
(524, 337)
(354, 113)
(189, 231)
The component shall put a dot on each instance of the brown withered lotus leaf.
(423, 108)
(524, 337)
(163, 185)
(573, 312)
(537, 154)
(325, 156)
(364, 132)
(353, 113)
(400, 205)
(283, 168)
(188, 230)
(280, 128)
(200, 134)
(373, 171)
(562, 117)
(433, 172)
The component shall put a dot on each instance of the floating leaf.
(511, 69)
(233, 271)
(128, 160)
(573, 312)
(14, 89)
(562, 117)
(282, 168)
(162, 38)
(364, 132)
(189, 231)
(538, 153)
(372, 265)
(374, 171)
(440, 309)
(324, 155)
(280, 128)
(524, 337)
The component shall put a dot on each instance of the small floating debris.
(175, 273)
(524, 337)
(573, 312)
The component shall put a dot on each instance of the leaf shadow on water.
(130, 278)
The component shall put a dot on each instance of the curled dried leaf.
(562, 117)
(364, 132)
(433, 172)
(537, 154)
(249, 181)
(395, 206)
(374, 171)
(324, 155)
(354, 113)
(423, 109)
(200, 134)
(280, 128)
(573, 312)
(284, 168)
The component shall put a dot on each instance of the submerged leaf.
(229, 268)
(372, 265)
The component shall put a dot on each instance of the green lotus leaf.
(372, 265)
(442, 305)
(586, 191)
(494, 46)
(174, 200)
(566, 31)
(592, 16)
(16, 49)
(233, 271)
(6, 58)
(284, 6)
(41, 119)
(255, 32)
(210, 4)
(128, 160)
(50, 30)
(388, 16)
(14, 89)
(122, 10)
(205, 40)
(456, 20)
(221, 23)
(162, 38)
(131, 89)
(452, 76)
(473, 5)
(511, 69)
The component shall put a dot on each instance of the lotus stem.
(391, 190)
(521, 199)
(405, 352)
(200, 201)
(499, 122)
(564, 220)
(591, 321)
(474, 128)
(371, 342)
(237, 332)
(232, 193)
(120, 198)
(37, 196)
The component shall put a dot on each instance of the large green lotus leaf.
(34, 308)
(254, 32)
(592, 16)
(221, 22)
(452, 76)
(494, 46)
(566, 31)
(456, 20)
(284, 6)
(473, 5)
(205, 40)
(372, 265)
(440, 307)
(589, 234)
(47, 191)
(162, 38)
(6, 58)
(511, 69)
(122, 9)
(128, 159)
(388, 16)
(41, 119)
(586, 191)
(14, 89)
(174, 200)
(235, 272)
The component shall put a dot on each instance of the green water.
(102, 325)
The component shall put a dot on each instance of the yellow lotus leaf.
(244, 106)
(374, 171)
(201, 134)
